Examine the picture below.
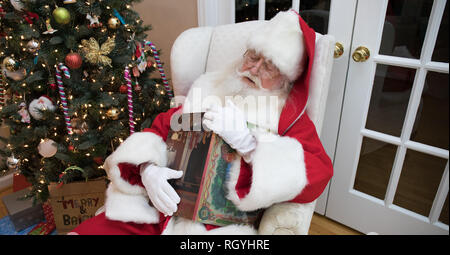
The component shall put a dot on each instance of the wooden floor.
(320, 225)
(3, 211)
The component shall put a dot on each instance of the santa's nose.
(254, 70)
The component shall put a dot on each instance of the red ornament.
(98, 160)
(70, 147)
(123, 89)
(73, 60)
(52, 83)
(149, 62)
(137, 88)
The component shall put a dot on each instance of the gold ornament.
(61, 15)
(113, 113)
(10, 64)
(95, 54)
(113, 23)
(33, 46)
(15, 75)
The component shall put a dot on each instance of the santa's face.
(258, 72)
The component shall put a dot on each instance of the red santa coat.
(292, 167)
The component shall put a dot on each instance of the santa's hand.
(160, 192)
(229, 123)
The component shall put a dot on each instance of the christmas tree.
(75, 83)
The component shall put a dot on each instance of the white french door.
(391, 162)
(386, 122)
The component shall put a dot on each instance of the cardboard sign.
(76, 202)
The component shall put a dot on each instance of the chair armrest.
(287, 219)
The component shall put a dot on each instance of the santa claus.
(282, 159)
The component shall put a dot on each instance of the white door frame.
(215, 12)
(340, 25)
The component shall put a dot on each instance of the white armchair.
(205, 49)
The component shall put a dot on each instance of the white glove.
(160, 192)
(229, 123)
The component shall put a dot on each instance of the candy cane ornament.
(130, 99)
(160, 67)
(2, 89)
(62, 94)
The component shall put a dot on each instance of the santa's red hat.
(281, 41)
(289, 43)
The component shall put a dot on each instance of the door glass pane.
(444, 213)
(389, 101)
(419, 181)
(316, 14)
(246, 10)
(405, 26)
(432, 122)
(440, 53)
(374, 167)
(275, 6)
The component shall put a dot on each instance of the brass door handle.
(338, 50)
(361, 54)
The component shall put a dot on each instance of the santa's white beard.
(261, 106)
(232, 84)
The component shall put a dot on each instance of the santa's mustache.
(253, 78)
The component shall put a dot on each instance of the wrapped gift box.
(20, 182)
(21, 211)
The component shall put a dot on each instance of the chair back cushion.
(228, 43)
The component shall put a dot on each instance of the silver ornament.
(17, 4)
(33, 46)
(12, 163)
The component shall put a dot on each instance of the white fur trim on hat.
(281, 41)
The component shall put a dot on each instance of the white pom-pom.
(41, 104)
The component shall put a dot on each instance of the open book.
(205, 160)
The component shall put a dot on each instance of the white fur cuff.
(139, 148)
(278, 173)
(129, 207)
(124, 201)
